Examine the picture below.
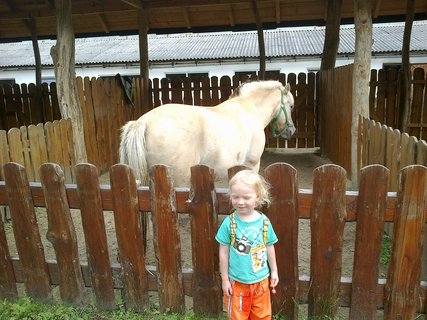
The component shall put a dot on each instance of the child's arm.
(271, 257)
(223, 269)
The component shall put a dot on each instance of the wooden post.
(63, 60)
(62, 234)
(261, 45)
(361, 75)
(143, 58)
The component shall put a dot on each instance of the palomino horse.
(220, 137)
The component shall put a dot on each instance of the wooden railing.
(328, 206)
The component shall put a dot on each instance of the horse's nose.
(289, 132)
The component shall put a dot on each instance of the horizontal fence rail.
(328, 206)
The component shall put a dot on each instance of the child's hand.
(274, 280)
(226, 288)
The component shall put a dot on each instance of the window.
(388, 66)
(173, 76)
(4, 82)
(272, 75)
(198, 76)
(48, 80)
(246, 75)
(193, 76)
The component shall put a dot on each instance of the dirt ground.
(304, 161)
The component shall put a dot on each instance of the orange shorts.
(249, 301)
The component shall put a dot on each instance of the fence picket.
(26, 153)
(371, 206)
(4, 152)
(284, 207)
(26, 232)
(129, 237)
(166, 238)
(401, 291)
(407, 150)
(95, 235)
(392, 98)
(15, 146)
(8, 289)
(392, 156)
(422, 152)
(328, 211)
(61, 234)
(38, 148)
(203, 207)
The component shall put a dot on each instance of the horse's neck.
(261, 106)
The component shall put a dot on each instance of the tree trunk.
(405, 98)
(261, 45)
(361, 75)
(63, 59)
(332, 35)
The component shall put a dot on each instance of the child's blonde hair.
(253, 180)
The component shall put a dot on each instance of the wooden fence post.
(129, 236)
(8, 288)
(95, 235)
(202, 204)
(27, 236)
(328, 211)
(401, 290)
(371, 205)
(62, 234)
(166, 238)
(283, 214)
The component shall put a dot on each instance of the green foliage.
(26, 309)
(385, 251)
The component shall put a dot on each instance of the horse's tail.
(132, 149)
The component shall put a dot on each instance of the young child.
(246, 252)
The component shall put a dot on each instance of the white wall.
(213, 69)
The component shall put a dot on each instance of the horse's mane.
(248, 87)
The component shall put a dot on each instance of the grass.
(26, 309)
(386, 248)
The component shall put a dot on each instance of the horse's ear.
(287, 88)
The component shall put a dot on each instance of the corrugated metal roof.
(289, 42)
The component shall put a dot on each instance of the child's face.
(243, 198)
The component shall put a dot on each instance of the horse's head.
(282, 124)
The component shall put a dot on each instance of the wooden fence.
(34, 145)
(335, 115)
(384, 100)
(380, 144)
(106, 107)
(328, 206)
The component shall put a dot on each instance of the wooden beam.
(104, 22)
(377, 8)
(10, 5)
(133, 3)
(189, 3)
(187, 19)
(50, 4)
(277, 5)
(231, 15)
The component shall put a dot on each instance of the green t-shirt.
(248, 256)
